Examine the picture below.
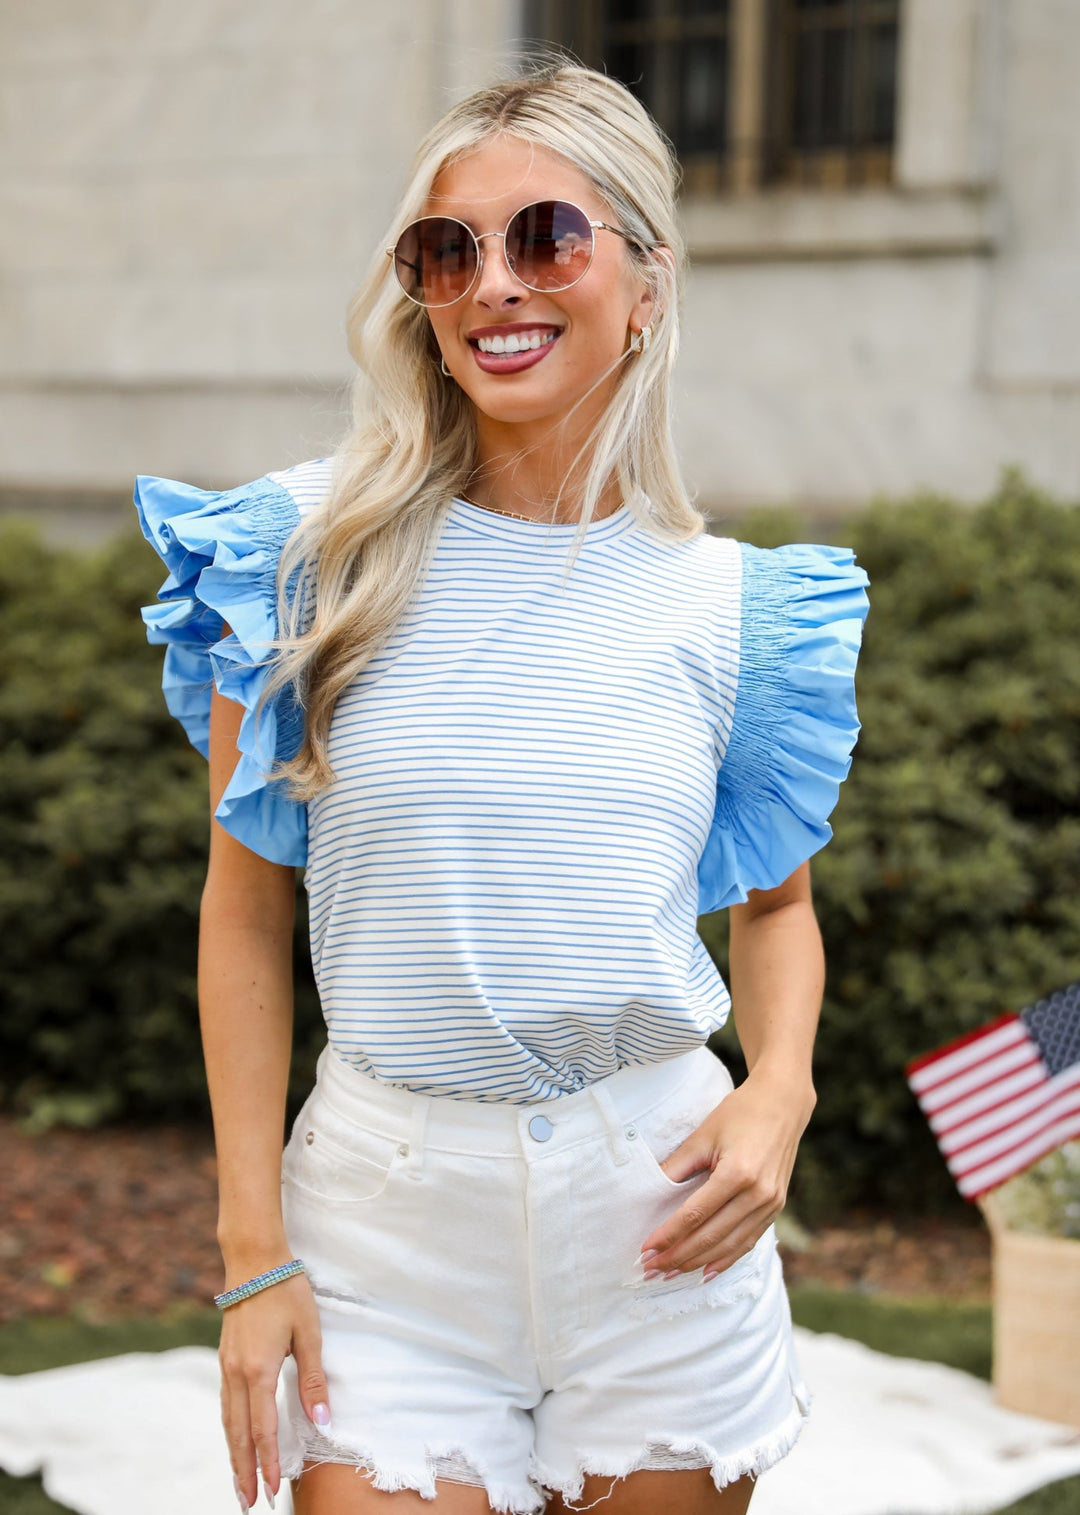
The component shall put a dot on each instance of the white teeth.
(513, 343)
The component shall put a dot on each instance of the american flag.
(1001, 1097)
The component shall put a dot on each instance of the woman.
(529, 721)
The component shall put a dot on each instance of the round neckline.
(494, 523)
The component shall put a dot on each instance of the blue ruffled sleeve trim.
(222, 552)
(795, 720)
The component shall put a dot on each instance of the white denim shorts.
(485, 1318)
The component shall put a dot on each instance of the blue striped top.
(540, 783)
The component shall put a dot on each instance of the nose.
(495, 284)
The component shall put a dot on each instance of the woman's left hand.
(749, 1142)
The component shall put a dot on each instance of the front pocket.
(658, 1132)
(338, 1171)
(650, 1166)
(745, 1279)
(655, 1140)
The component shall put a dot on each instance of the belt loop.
(414, 1163)
(616, 1137)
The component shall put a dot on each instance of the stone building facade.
(188, 195)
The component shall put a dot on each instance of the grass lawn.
(933, 1329)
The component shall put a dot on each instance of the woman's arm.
(246, 924)
(777, 972)
(751, 1139)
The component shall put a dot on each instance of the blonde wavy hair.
(354, 566)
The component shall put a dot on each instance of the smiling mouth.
(512, 353)
(529, 341)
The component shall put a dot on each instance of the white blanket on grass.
(886, 1436)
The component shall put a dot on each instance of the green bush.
(104, 827)
(949, 891)
(947, 895)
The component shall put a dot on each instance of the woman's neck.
(526, 483)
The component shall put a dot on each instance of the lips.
(512, 362)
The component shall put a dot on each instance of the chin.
(512, 410)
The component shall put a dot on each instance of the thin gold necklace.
(533, 520)
(496, 511)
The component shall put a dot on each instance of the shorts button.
(540, 1128)
(403, 1150)
(310, 1137)
(631, 1132)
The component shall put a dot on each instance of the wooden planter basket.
(1036, 1282)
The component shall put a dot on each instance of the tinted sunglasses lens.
(435, 260)
(549, 245)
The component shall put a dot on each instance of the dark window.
(832, 91)
(751, 92)
(674, 54)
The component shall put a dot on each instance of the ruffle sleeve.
(795, 721)
(222, 552)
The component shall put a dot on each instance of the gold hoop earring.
(442, 365)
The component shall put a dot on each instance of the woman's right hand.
(256, 1337)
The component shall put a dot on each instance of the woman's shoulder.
(175, 515)
(796, 597)
(795, 720)
(802, 570)
(306, 484)
(222, 549)
(770, 594)
(769, 574)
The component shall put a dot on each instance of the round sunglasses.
(548, 246)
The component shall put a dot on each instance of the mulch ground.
(122, 1221)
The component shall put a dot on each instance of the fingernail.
(244, 1506)
(652, 1252)
(673, 1274)
(320, 1414)
(652, 1272)
(268, 1493)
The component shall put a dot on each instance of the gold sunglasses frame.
(595, 226)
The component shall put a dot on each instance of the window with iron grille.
(832, 95)
(751, 92)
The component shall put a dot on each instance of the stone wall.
(924, 336)
(188, 195)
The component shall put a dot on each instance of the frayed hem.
(449, 1462)
(669, 1453)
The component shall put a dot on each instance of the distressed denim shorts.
(485, 1318)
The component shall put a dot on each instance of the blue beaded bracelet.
(261, 1281)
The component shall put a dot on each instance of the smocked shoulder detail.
(222, 551)
(795, 722)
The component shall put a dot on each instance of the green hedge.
(948, 892)
(104, 826)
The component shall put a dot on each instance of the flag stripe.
(985, 1101)
(1056, 1106)
(1013, 1058)
(958, 1054)
(1031, 1097)
(971, 1185)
